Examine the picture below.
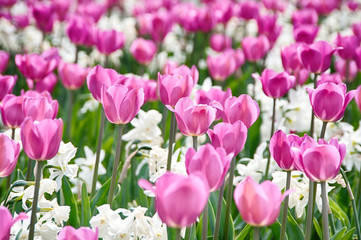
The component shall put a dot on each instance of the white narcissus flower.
(89, 106)
(46, 186)
(59, 214)
(61, 163)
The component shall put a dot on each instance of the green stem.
(76, 53)
(310, 206)
(272, 130)
(355, 212)
(285, 207)
(34, 206)
(28, 170)
(188, 233)
(8, 178)
(332, 221)
(256, 233)
(205, 222)
(171, 140)
(99, 148)
(13, 133)
(324, 212)
(115, 166)
(218, 215)
(229, 198)
(178, 234)
(195, 143)
(323, 130)
(312, 114)
(164, 121)
(70, 113)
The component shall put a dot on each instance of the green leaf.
(339, 213)
(244, 233)
(349, 234)
(100, 197)
(339, 234)
(293, 230)
(70, 201)
(317, 227)
(85, 206)
(276, 230)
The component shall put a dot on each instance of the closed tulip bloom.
(41, 139)
(120, 104)
(72, 75)
(347, 45)
(290, 60)
(4, 59)
(242, 108)
(221, 66)
(231, 137)
(12, 111)
(80, 30)
(34, 66)
(143, 50)
(358, 97)
(91, 9)
(322, 162)
(248, 10)
(346, 68)
(44, 16)
(305, 33)
(316, 57)
(46, 84)
(161, 24)
(219, 42)
(356, 29)
(212, 163)
(83, 233)
(108, 41)
(40, 108)
(99, 77)
(7, 222)
(329, 101)
(179, 199)
(193, 119)
(275, 5)
(304, 16)
(258, 204)
(206, 20)
(184, 70)
(7, 84)
(9, 154)
(255, 48)
(274, 84)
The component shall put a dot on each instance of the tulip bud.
(7, 84)
(9, 154)
(108, 41)
(143, 50)
(72, 75)
(12, 111)
(70, 233)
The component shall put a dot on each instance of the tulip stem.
(205, 222)
(171, 140)
(272, 130)
(34, 207)
(115, 166)
(324, 211)
(178, 234)
(97, 157)
(256, 233)
(285, 207)
(312, 113)
(218, 215)
(70, 113)
(28, 170)
(195, 143)
(13, 133)
(323, 130)
(355, 212)
(229, 198)
(310, 206)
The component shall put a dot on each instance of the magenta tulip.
(193, 119)
(83, 233)
(44, 16)
(40, 108)
(358, 97)
(304, 16)
(305, 33)
(9, 154)
(259, 204)
(290, 60)
(143, 50)
(346, 68)
(267, 25)
(242, 108)
(184, 70)
(206, 19)
(7, 222)
(120, 104)
(231, 137)
(12, 111)
(161, 24)
(316, 57)
(7, 84)
(329, 101)
(248, 10)
(108, 41)
(80, 30)
(179, 199)
(221, 66)
(72, 75)
(356, 29)
(91, 9)
(219, 42)
(46, 84)
(274, 84)
(347, 45)
(4, 59)
(211, 163)
(255, 48)
(99, 77)
(326, 77)
(275, 5)
(41, 139)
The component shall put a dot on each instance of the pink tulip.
(83, 233)
(285, 150)
(221, 66)
(329, 101)
(356, 29)
(41, 139)
(7, 3)
(9, 154)
(323, 7)
(275, 85)
(184, 71)
(44, 16)
(80, 30)
(255, 48)
(275, 5)
(21, 21)
(322, 161)
(46, 84)
(108, 41)
(99, 77)
(301, 76)
(7, 222)
(347, 45)
(72, 75)
(11, 110)
(248, 10)
(34, 66)
(211, 163)
(91, 9)
(179, 199)
(193, 119)
(219, 42)
(185, 14)
(149, 86)
(290, 60)
(223, 10)
(61, 7)
(4, 60)
(352, 5)
(143, 50)
(231, 137)
(52, 54)
(40, 108)
(161, 24)
(7, 84)
(305, 33)
(120, 104)
(316, 57)
(326, 77)
(206, 19)
(357, 58)
(347, 69)
(267, 25)
(242, 108)
(259, 204)
(358, 97)
(304, 16)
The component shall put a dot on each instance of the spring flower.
(143, 50)
(305, 33)
(7, 84)
(255, 48)
(72, 75)
(9, 151)
(80, 30)
(348, 44)
(40, 108)
(4, 59)
(108, 41)
(70, 233)
(7, 221)
(219, 42)
(12, 111)
(221, 66)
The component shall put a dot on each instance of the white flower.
(17, 137)
(89, 106)
(61, 164)
(20, 228)
(46, 186)
(59, 214)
